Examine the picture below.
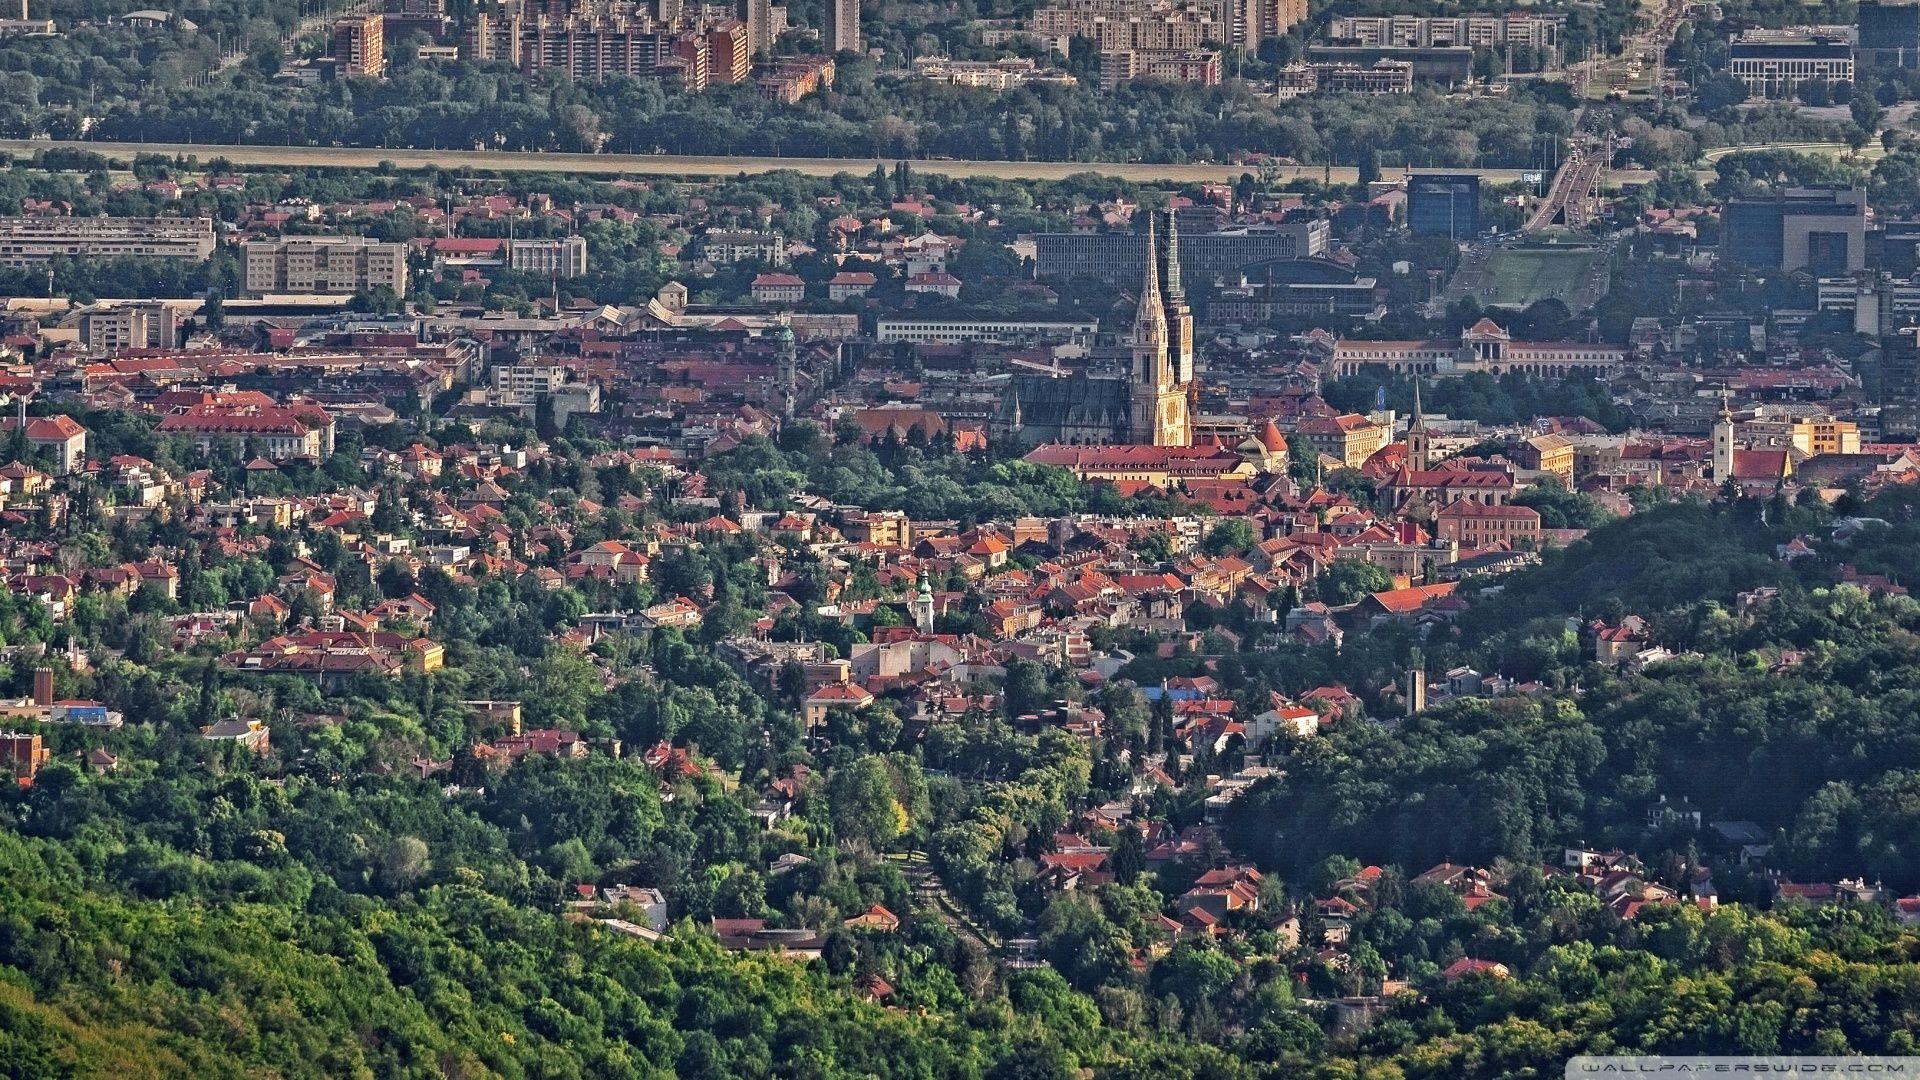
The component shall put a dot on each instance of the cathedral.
(1152, 405)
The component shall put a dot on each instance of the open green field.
(1519, 276)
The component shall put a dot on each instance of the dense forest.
(468, 107)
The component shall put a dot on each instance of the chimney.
(43, 686)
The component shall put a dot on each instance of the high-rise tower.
(842, 32)
(758, 17)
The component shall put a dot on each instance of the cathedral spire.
(1150, 318)
(1157, 404)
(1174, 290)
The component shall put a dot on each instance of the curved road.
(686, 165)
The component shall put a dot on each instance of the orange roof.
(1404, 601)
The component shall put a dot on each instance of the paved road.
(1871, 152)
(681, 165)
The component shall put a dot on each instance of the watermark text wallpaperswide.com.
(1627, 1065)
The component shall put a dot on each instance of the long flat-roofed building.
(1774, 68)
(1121, 257)
(895, 328)
(26, 240)
(1384, 77)
(1430, 31)
(323, 265)
(1484, 346)
(1446, 65)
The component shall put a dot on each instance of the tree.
(1026, 689)
(1369, 165)
(1234, 534)
(1349, 580)
(1867, 113)
(1560, 508)
(1718, 90)
(862, 805)
(1128, 856)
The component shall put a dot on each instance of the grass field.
(1519, 276)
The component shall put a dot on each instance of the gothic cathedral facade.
(1152, 405)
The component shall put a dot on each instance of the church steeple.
(1158, 412)
(1179, 314)
(1150, 317)
(1174, 290)
(922, 605)
(788, 362)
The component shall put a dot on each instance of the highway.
(1569, 200)
(690, 166)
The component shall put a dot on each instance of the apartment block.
(564, 257)
(129, 326)
(323, 265)
(428, 17)
(1878, 303)
(591, 49)
(28, 240)
(359, 46)
(725, 248)
(1179, 25)
(1197, 66)
(842, 32)
(729, 52)
(757, 16)
(522, 384)
(1254, 21)
(794, 77)
(1516, 30)
(1126, 25)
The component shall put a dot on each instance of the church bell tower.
(1419, 443)
(1158, 415)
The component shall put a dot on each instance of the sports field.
(1519, 276)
